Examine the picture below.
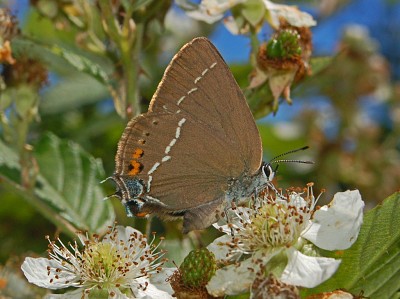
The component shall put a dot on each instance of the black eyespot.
(147, 134)
(155, 122)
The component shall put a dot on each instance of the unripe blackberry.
(197, 268)
(284, 45)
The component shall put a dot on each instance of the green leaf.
(95, 70)
(372, 265)
(72, 92)
(8, 159)
(75, 87)
(82, 64)
(70, 181)
(67, 184)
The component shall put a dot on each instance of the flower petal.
(124, 233)
(235, 219)
(211, 11)
(75, 294)
(220, 247)
(159, 280)
(208, 11)
(41, 272)
(306, 271)
(203, 16)
(291, 14)
(337, 226)
(232, 280)
(151, 291)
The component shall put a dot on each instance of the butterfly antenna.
(291, 161)
(276, 160)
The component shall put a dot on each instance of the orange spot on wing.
(135, 167)
(137, 153)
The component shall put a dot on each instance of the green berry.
(198, 267)
(285, 44)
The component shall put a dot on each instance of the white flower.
(121, 265)
(211, 11)
(273, 235)
(291, 14)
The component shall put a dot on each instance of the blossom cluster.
(278, 235)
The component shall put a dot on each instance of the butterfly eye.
(269, 173)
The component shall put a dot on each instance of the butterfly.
(197, 149)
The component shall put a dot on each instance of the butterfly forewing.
(199, 82)
(197, 134)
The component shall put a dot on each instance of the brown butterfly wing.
(199, 82)
(197, 134)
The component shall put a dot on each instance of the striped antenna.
(276, 160)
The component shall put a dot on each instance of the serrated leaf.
(372, 265)
(82, 64)
(70, 181)
(75, 88)
(67, 183)
(95, 70)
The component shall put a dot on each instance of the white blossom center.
(273, 222)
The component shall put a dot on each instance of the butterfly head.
(129, 192)
(268, 172)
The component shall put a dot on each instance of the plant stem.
(132, 71)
